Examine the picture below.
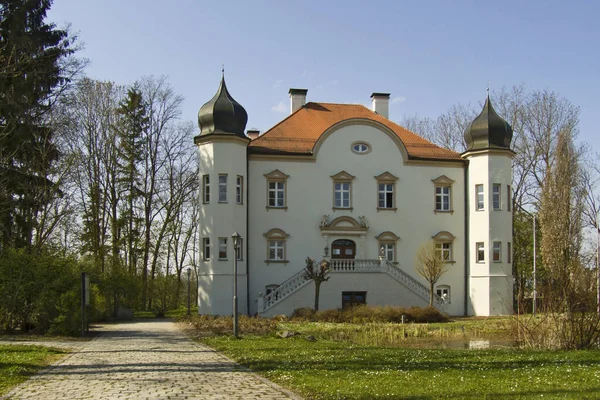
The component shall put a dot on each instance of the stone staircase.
(298, 280)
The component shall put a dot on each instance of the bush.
(303, 314)
(364, 314)
(209, 325)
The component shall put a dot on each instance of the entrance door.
(343, 248)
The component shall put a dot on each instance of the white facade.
(219, 219)
(289, 212)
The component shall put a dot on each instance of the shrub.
(303, 314)
(208, 325)
(364, 314)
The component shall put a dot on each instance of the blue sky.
(428, 54)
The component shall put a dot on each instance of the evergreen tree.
(31, 53)
(131, 132)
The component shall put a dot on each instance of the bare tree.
(318, 274)
(430, 265)
(164, 107)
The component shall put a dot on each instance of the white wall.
(310, 196)
(381, 290)
(490, 282)
(215, 280)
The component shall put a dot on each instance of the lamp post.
(189, 275)
(236, 238)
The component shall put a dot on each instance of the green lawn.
(19, 362)
(328, 369)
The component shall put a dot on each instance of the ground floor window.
(444, 292)
(352, 299)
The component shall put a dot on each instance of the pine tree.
(31, 52)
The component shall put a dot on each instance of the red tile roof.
(298, 133)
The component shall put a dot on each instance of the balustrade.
(298, 280)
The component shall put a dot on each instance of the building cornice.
(220, 138)
(489, 151)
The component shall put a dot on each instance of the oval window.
(360, 148)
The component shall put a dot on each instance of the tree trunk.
(317, 290)
(431, 293)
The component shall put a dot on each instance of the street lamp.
(236, 239)
(189, 275)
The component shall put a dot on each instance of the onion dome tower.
(489, 178)
(222, 114)
(488, 130)
(222, 151)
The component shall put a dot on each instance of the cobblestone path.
(146, 360)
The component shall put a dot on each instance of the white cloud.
(281, 107)
(398, 99)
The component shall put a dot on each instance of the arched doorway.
(343, 249)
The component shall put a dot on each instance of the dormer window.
(361, 148)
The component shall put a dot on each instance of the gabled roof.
(298, 133)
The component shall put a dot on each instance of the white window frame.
(496, 197)
(444, 289)
(206, 249)
(389, 251)
(223, 248)
(222, 188)
(442, 200)
(342, 188)
(444, 250)
(480, 252)
(388, 241)
(277, 246)
(276, 190)
(276, 241)
(239, 190)
(444, 246)
(479, 197)
(386, 192)
(385, 197)
(496, 251)
(206, 189)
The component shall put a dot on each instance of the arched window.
(276, 246)
(443, 246)
(386, 244)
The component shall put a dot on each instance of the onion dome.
(222, 114)
(488, 130)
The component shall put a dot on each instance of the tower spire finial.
(488, 91)
(223, 70)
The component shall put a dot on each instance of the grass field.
(19, 362)
(328, 369)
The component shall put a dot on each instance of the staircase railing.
(411, 283)
(288, 287)
(298, 280)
